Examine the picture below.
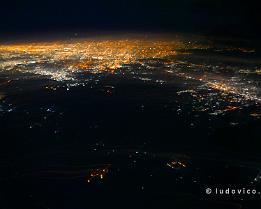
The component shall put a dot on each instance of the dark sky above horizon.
(225, 17)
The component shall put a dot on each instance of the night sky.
(223, 17)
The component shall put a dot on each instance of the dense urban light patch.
(219, 88)
(101, 55)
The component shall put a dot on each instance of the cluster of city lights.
(143, 59)
(84, 54)
(97, 173)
